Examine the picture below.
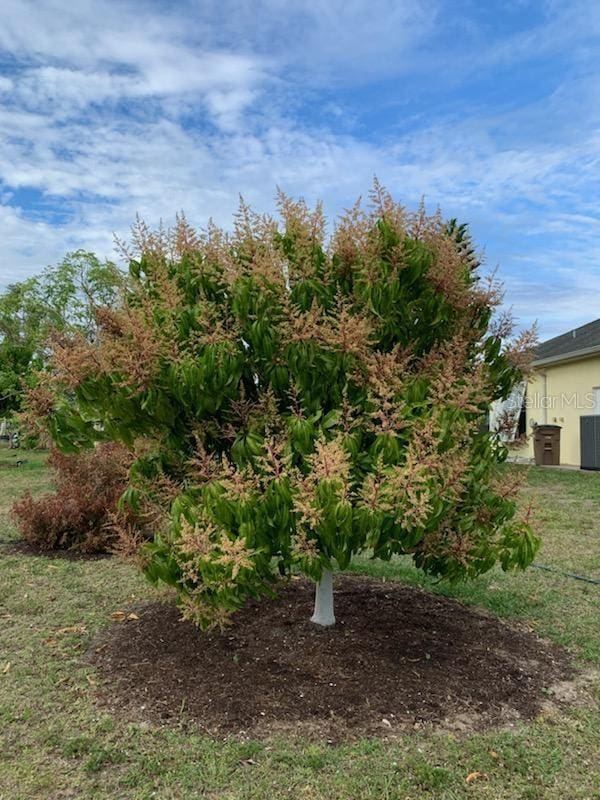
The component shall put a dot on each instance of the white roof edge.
(586, 351)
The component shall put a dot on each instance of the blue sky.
(490, 110)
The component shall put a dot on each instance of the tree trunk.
(323, 613)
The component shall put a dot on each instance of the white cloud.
(97, 52)
(115, 108)
(366, 39)
(30, 245)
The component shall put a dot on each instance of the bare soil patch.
(398, 658)
(20, 547)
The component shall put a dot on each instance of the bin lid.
(547, 428)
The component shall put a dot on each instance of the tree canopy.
(62, 297)
(293, 400)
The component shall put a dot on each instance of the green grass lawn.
(56, 744)
(31, 476)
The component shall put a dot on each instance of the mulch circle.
(398, 658)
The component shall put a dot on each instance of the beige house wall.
(559, 394)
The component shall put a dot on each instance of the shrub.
(302, 400)
(82, 513)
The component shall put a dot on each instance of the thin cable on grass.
(566, 574)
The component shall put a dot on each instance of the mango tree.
(293, 400)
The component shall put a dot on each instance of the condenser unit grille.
(590, 442)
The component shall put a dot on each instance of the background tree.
(292, 402)
(62, 298)
(20, 317)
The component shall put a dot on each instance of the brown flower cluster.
(130, 346)
(331, 463)
(206, 544)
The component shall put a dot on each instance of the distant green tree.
(62, 298)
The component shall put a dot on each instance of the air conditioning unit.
(590, 442)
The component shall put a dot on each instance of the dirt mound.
(399, 657)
